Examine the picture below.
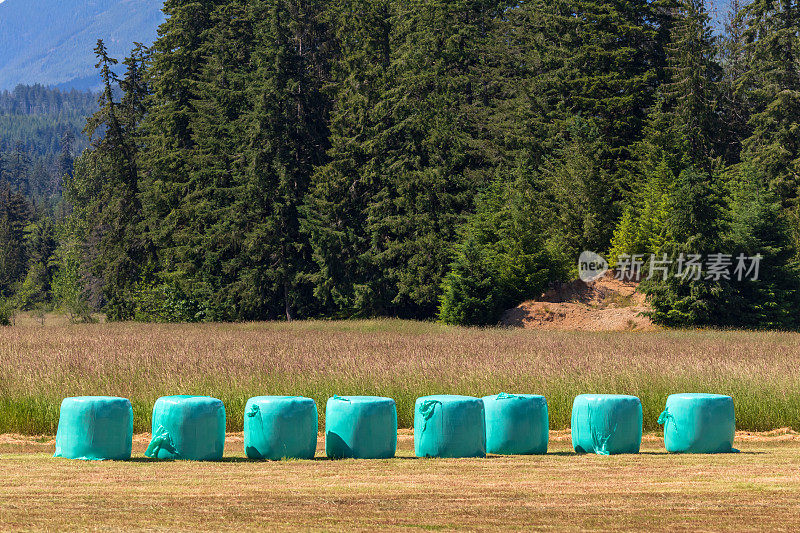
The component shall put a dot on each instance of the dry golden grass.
(39, 366)
(756, 490)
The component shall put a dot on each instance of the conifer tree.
(772, 88)
(175, 65)
(105, 187)
(35, 291)
(205, 256)
(681, 133)
(337, 214)
(15, 213)
(435, 160)
(768, 298)
(501, 260)
(685, 297)
(581, 200)
(287, 138)
(734, 106)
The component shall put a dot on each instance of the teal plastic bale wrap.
(280, 427)
(188, 427)
(516, 424)
(699, 423)
(360, 427)
(95, 428)
(449, 426)
(606, 424)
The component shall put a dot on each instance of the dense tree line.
(40, 133)
(420, 158)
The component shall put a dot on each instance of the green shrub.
(501, 260)
(6, 312)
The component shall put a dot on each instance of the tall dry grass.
(41, 365)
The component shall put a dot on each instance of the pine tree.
(36, 290)
(681, 133)
(772, 88)
(204, 252)
(66, 160)
(336, 216)
(287, 139)
(435, 158)
(734, 105)
(501, 259)
(759, 228)
(695, 227)
(581, 198)
(528, 57)
(15, 213)
(616, 63)
(175, 66)
(565, 63)
(105, 191)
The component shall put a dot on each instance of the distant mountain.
(52, 41)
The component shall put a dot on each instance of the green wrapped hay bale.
(188, 427)
(94, 428)
(449, 426)
(516, 424)
(698, 423)
(606, 424)
(280, 427)
(360, 427)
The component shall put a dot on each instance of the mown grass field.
(39, 366)
(756, 490)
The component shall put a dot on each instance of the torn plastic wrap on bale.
(360, 427)
(606, 424)
(449, 426)
(516, 424)
(280, 427)
(699, 423)
(188, 427)
(95, 428)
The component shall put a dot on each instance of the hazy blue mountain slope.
(51, 41)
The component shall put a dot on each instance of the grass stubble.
(756, 490)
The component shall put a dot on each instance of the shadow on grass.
(431, 459)
(223, 460)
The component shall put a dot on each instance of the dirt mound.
(607, 304)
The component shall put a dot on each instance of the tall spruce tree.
(15, 213)
(336, 216)
(569, 63)
(205, 255)
(678, 206)
(287, 138)
(681, 133)
(174, 71)
(580, 196)
(105, 191)
(772, 87)
(435, 157)
(734, 106)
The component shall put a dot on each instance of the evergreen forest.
(426, 159)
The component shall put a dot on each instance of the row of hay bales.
(365, 427)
